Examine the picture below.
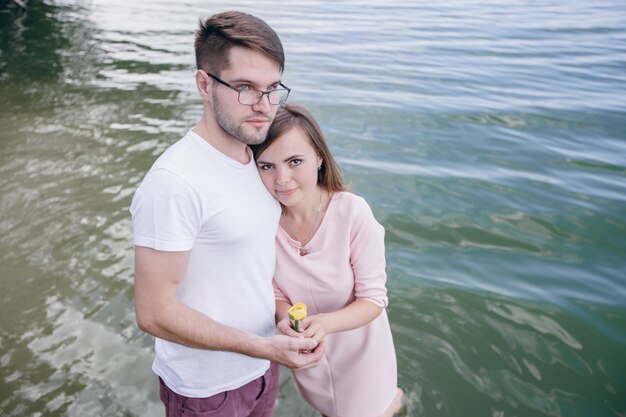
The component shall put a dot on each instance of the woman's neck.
(308, 208)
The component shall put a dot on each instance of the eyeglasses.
(250, 96)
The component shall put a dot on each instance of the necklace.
(304, 249)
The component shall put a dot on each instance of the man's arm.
(159, 313)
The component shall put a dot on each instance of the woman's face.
(288, 168)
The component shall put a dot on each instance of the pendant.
(302, 250)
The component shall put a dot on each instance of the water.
(489, 138)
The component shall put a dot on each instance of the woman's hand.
(313, 326)
(285, 326)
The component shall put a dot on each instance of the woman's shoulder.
(348, 201)
(354, 212)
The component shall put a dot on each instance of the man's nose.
(263, 106)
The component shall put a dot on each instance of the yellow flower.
(296, 313)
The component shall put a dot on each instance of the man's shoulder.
(178, 153)
(174, 169)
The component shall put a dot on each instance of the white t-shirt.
(194, 198)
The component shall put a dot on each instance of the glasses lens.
(278, 96)
(250, 97)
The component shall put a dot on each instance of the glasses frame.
(284, 88)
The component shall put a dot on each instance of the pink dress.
(357, 377)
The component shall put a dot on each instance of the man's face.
(247, 69)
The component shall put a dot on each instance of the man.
(204, 228)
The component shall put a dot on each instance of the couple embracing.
(243, 217)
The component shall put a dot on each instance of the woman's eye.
(296, 161)
(244, 87)
(265, 167)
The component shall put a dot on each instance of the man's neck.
(224, 143)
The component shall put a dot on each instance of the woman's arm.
(367, 259)
(357, 314)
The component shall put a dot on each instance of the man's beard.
(237, 129)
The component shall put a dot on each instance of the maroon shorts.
(255, 399)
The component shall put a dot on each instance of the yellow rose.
(296, 313)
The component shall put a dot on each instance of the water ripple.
(487, 139)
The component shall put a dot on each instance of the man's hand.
(296, 353)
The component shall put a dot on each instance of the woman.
(331, 256)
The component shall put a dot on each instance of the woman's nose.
(282, 176)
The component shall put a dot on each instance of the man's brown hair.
(220, 32)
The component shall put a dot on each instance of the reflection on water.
(488, 139)
(480, 350)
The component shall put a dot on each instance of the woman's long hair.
(289, 116)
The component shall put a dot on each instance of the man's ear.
(203, 83)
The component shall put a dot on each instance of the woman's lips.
(285, 193)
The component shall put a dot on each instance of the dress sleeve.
(367, 255)
(279, 294)
(166, 212)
